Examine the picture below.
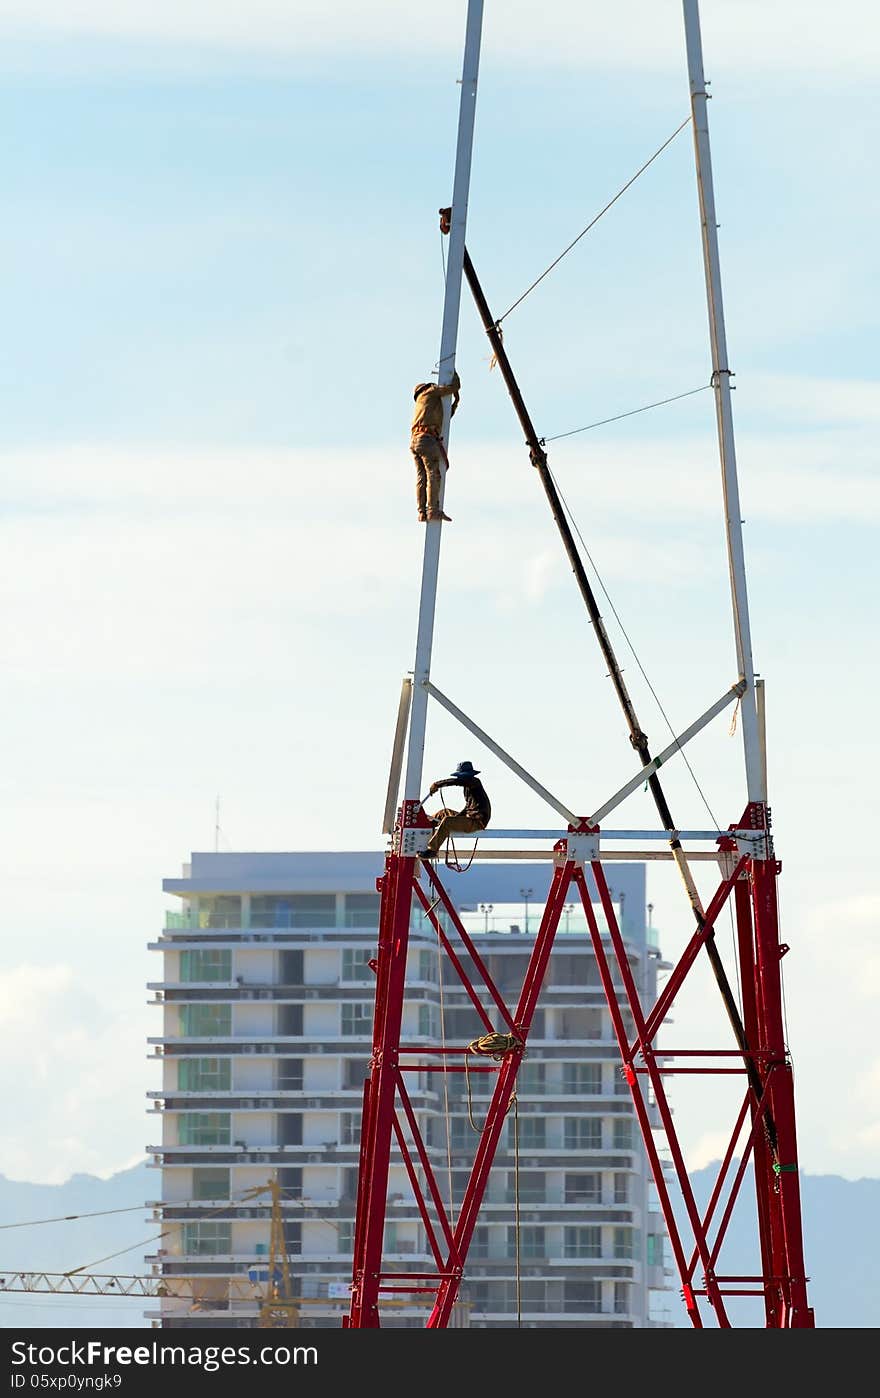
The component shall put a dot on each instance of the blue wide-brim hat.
(466, 769)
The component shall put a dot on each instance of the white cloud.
(74, 1056)
(708, 1149)
(814, 400)
(641, 34)
(843, 940)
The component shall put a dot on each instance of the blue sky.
(221, 278)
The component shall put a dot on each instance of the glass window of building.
(582, 1242)
(271, 909)
(583, 1189)
(210, 1184)
(531, 1078)
(532, 1133)
(289, 1074)
(622, 1293)
(626, 1242)
(313, 910)
(583, 1133)
(623, 1133)
(479, 1248)
(349, 1128)
(567, 969)
(203, 1129)
(582, 1079)
(357, 1017)
(345, 1235)
(224, 910)
(654, 1246)
(291, 965)
(205, 1021)
(362, 909)
(427, 966)
(621, 1188)
(289, 1021)
(211, 964)
(532, 1187)
(207, 1238)
(583, 1296)
(355, 964)
(429, 1022)
(459, 1129)
(354, 1070)
(502, 1296)
(293, 910)
(532, 1242)
(204, 1074)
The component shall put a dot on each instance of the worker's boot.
(422, 517)
(438, 514)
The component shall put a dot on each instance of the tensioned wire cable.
(542, 441)
(66, 1218)
(632, 648)
(712, 815)
(225, 1207)
(595, 220)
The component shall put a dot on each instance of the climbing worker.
(474, 815)
(426, 444)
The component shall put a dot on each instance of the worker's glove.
(432, 788)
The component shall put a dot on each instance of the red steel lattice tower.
(760, 1158)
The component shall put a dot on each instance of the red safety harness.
(431, 432)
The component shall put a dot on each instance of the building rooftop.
(356, 871)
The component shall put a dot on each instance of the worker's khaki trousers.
(428, 456)
(453, 822)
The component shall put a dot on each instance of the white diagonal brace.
(397, 755)
(735, 692)
(500, 753)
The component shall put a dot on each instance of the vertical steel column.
(781, 1184)
(448, 341)
(723, 408)
(763, 1156)
(378, 1115)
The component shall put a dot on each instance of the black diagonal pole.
(637, 737)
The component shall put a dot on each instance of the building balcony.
(232, 993)
(275, 1099)
(305, 1044)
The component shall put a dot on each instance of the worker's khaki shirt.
(428, 415)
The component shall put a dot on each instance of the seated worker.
(474, 815)
(426, 445)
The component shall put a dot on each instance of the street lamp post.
(486, 909)
(525, 894)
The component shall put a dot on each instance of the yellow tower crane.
(277, 1308)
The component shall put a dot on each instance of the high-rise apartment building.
(266, 993)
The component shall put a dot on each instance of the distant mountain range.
(841, 1223)
(120, 1239)
(841, 1242)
